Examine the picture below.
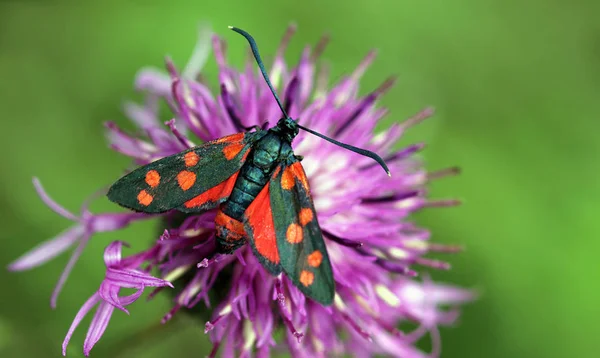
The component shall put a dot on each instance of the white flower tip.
(17, 266)
(230, 27)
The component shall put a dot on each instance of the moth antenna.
(366, 153)
(261, 66)
(259, 61)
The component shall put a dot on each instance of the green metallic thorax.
(272, 148)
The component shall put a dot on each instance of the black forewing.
(134, 191)
(305, 261)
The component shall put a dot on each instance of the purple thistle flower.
(363, 215)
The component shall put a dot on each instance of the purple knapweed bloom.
(364, 216)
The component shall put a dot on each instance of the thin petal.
(114, 221)
(97, 327)
(112, 253)
(110, 294)
(127, 300)
(200, 53)
(132, 279)
(153, 80)
(47, 250)
(83, 311)
(67, 270)
(143, 116)
(51, 203)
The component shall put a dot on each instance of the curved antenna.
(254, 48)
(366, 153)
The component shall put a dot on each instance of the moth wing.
(302, 251)
(258, 223)
(183, 178)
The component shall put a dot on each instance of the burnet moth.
(261, 192)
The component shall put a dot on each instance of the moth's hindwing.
(196, 179)
(258, 223)
(302, 251)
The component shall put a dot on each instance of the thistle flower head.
(363, 214)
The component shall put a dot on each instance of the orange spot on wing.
(152, 178)
(300, 174)
(287, 178)
(191, 159)
(294, 234)
(238, 137)
(260, 219)
(186, 179)
(306, 216)
(228, 227)
(306, 278)
(315, 258)
(145, 198)
(232, 150)
(213, 194)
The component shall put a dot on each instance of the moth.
(260, 190)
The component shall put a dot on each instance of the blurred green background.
(516, 85)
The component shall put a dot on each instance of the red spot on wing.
(306, 278)
(220, 191)
(315, 258)
(238, 137)
(287, 178)
(232, 150)
(299, 174)
(186, 179)
(260, 219)
(306, 216)
(191, 159)
(294, 234)
(152, 178)
(144, 198)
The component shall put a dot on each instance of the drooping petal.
(98, 326)
(132, 278)
(67, 271)
(83, 311)
(112, 254)
(47, 250)
(57, 208)
(200, 54)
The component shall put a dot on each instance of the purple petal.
(143, 116)
(112, 254)
(115, 221)
(128, 145)
(127, 300)
(65, 274)
(47, 250)
(110, 293)
(133, 279)
(153, 80)
(200, 53)
(97, 327)
(83, 311)
(51, 203)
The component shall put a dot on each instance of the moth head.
(288, 127)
